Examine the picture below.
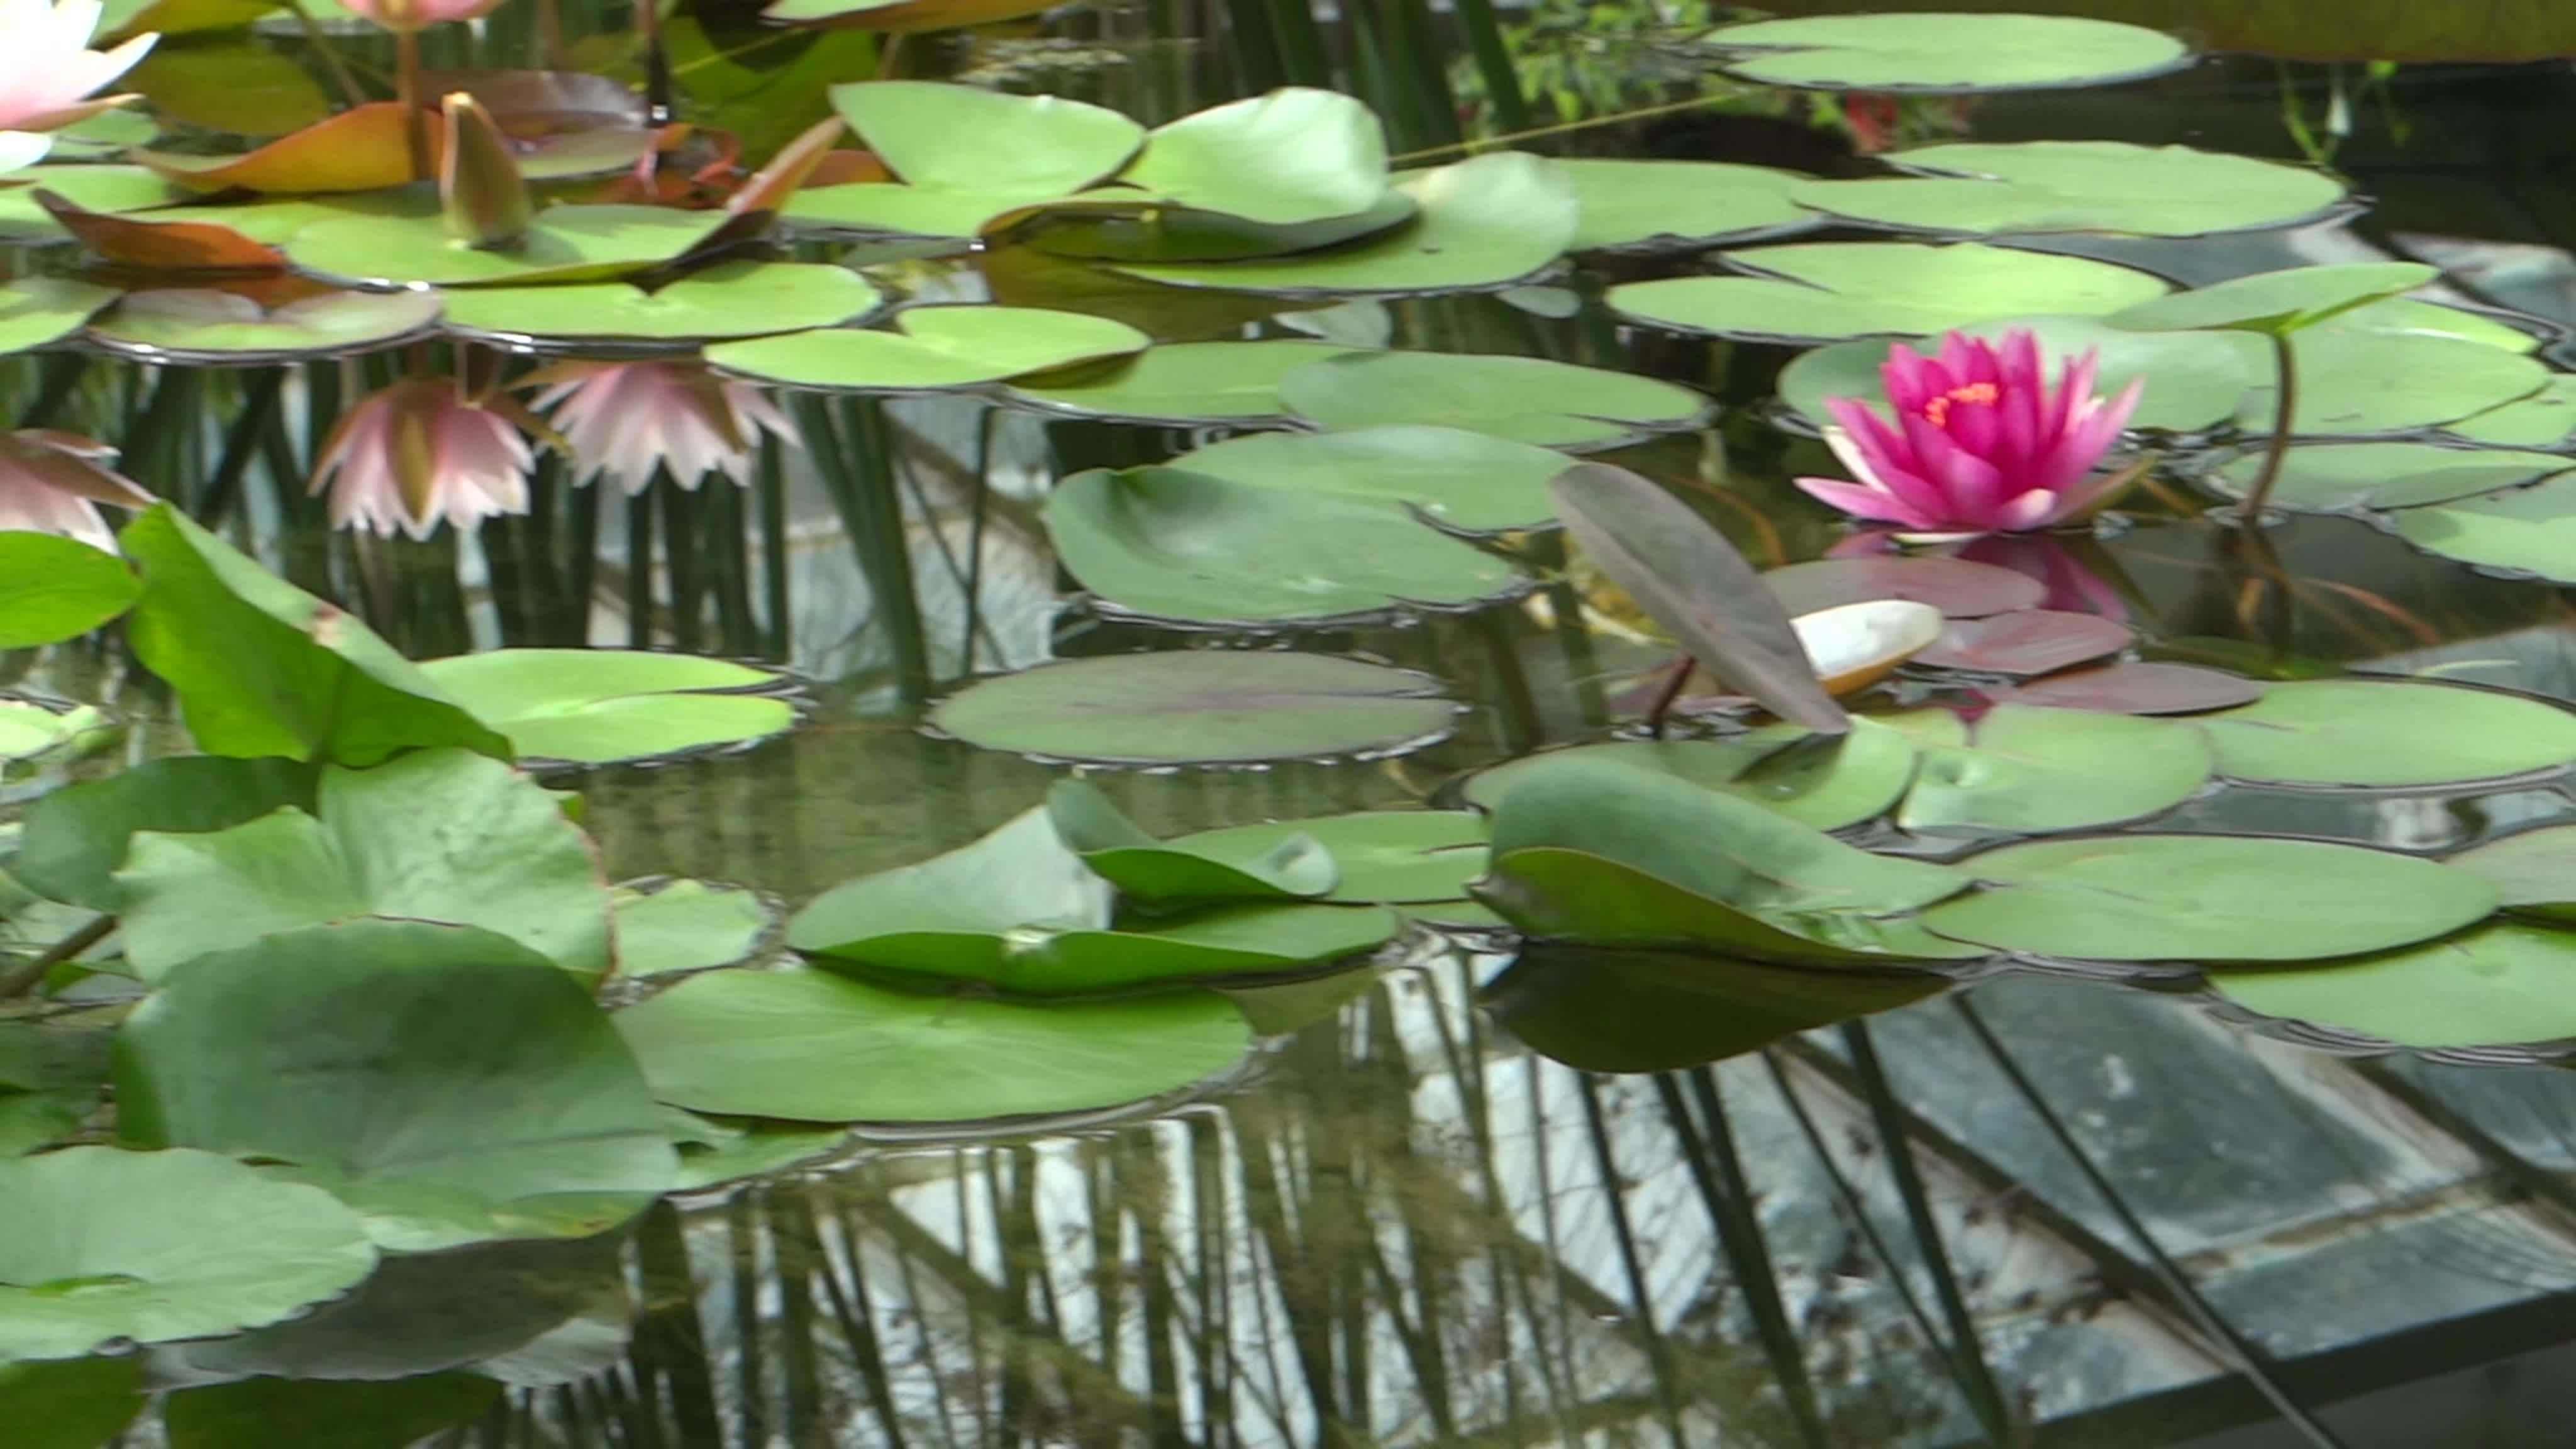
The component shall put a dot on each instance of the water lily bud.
(479, 186)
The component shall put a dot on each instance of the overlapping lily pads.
(204, 326)
(37, 310)
(1464, 481)
(1201, 706)
(2026, 643)
(2026, 187)
(2355, 380)
(2499, 985)
(963, 155)
(2545, 419)
(57, 588)
(1830, 291)
(932, 349)
(1653, 1011)
(1394, 857)
(1943, 51)
(1644, 206)
(2355, 477)
(728, 300)
(1290, 866)
(2027, 770)
(1823, 783)
(2526, 531)
(2194, 380)
(1185, 382)
(2375, 734)
(2534, 870)
(1531, 400)
(602, 706)
(562, 244)
(2139, 687)
(665, 927)
(93, 188)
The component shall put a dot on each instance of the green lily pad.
(2535, 870)
(1654, 1011)
(666, 927)
(602, 706)
(1824, 785)
(91, 188)
(2432, 319)
(2276, 302)
(2209, 898)
(1829, 291)
(809, 1046)
(75, 838)
(1019, 875)
(562, 244)
(206, 327)
(1644, 206)
(934, 349)
(263, 668)
(730, 299)
(155, 1246)
(2499, 985)
(713, 1153)
(2357, 381)
(37, 310)
(2526, 531)
(1464, 481)
(1181, 383)
(1606, 854)
(58, 588)
(2353, 477)
(434, 835)
(2194, 380)
(2030, 187)
(2028, 770)
(1165, 544)
(30, 731)
(448, 1083)
(1486, 222)
(2546, 419)
(964, 155)
(1942, 52)
(2387, 734)
(1201, 706)
(1525, 399)
(1291, 867)
(1294, 155)
(1399, 857)
(1109, 223)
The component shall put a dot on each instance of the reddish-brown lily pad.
(2135, 688)
(2026, 643)
(364, 148)
(1959, 589)
(161, 246)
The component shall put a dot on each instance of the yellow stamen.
(1937, 410)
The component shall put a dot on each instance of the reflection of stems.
(320, 43)
(2284, 402)
(550, 35)
(1663, 704)
(61, 951)
(407, 92)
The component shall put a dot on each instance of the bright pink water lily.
(1980, 444)
(420, 451)
(405, 15)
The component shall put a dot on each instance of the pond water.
(2136, 1176)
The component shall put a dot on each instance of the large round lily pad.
(1201, 706)
(2290, 300)
(2193, 380)
(1943, 51)
(810, 1046)
(2545, 419)
(2028, 770)
(601, 706)
(1679, 205)
(2535, 870)
(2351, 477)
(1526, 399)
(1828, 291)
(38, 310)
(730, 299)
(154, 1246)
(1467, 481)
(2026, 187)
(2389, 734)
(2356, 380)
(2529, 531)
(206, 327)
(1182, 383)
(448, 1083)
(563, 244)
(2501, 985)
(1163, 543)
(2208, 898)
(931, 349)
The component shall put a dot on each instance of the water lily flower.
(404, 17)
(420, 451)
(47, 72)
(623, 419)
(53, 482)
(1980, 442)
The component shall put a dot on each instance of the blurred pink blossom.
(420, 451)
(623, 419)
(53, 483)
(405, 15)
(47, 72)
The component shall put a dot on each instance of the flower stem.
(1663, 704)
(407, 91)
(2284, 403)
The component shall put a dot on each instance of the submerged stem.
(2284, 403)
(407, 91)
(34, 971)
(1663, 704)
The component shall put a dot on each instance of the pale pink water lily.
(623, 419)
(53, 482)
(421, 451)
(48, 71)
(1980, 443)
(403, 16)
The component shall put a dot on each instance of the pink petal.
(1861, 501)
(1968, 485)
(1881, 459)
(1911, 379)
(2037, 508)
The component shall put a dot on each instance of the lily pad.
(1464, 481)
(2277, 302)
(714, 1153)
(1645, 206)
(31, 731)
(1821, 782)
(964, 155)
(1289, 867)
(37, 310)
(2353, 477)
(2029, 187)
(363, 148)
(1525, 399)
(2357, 381)
(2528, 531)
(2379, 734)
(932, 349)
(434, 835)
(53, 588)
(2534, 870)
(207, 327)
(75, 838)
(1397, 857)
(562, 244)
(1182, 383)
(2194, 380)
(667, 927)
(809, 1046)
(92, 188)
(602, 706)
(2546, 419)
(448, 1083)
(1943, 52)
(1483, 223)
(2210, 898)
(1293, 156)
(2499, 985)
(730, 299)
(1162, 543)
(2026, 643)
(2132, 687)
(2028, 770)
(1959, 589)
(155, 1246)
(1653, 1011)
(1201, 706)
(1829, 291)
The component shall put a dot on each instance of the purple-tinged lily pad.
(1957, 588)
(2135, 688)
(2026, 643)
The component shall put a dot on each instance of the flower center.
(1937, 410)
